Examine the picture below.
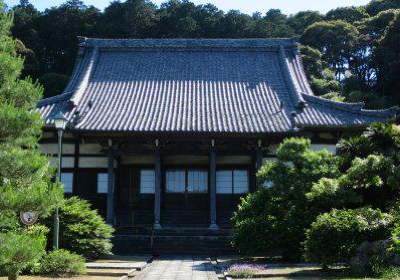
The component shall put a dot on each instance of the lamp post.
(60, 122)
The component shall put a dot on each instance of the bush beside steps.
(62, 263)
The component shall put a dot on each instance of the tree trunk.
(13, 276)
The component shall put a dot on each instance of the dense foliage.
(25, 174)
(275, 217)
(62, 263)
(84, 231)
(370, 171)
(18, 250)
(335, 236)
(351, 52)
(325, 205)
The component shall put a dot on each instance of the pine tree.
(25, 174)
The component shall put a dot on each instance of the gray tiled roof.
(195, 85)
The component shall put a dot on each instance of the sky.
(245, 6)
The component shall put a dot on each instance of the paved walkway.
(178, 268)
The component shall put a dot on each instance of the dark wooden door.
(185, 198)
(133, 207)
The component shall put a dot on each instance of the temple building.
(169, 134)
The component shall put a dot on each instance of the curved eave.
(356, 108)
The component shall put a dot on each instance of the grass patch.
(314, 278)
(392, 273)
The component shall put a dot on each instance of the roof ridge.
(83, 83)
(188, 42)
(351, 107)
(299, 100)
(303, 76)
(292, 39)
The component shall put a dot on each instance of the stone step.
(187, 231)
(174, 231)
(108, 272)
(125, 244)
(114, 265)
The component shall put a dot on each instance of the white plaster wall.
(318, 147)
(46, 135)
(67, 162)
(315, 147)
(93, 162)
(137, 160)
(186, 160)
(52, 149)
(233, 159)
(68, 135)
(92, 149)
(326, 135)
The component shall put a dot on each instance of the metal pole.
(56, 218)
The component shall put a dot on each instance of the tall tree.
(348, 14)
(377, 6)
(337, 40)
(273, 25)
(374, 27)
(130, 19)
(387, 59)
(178, 19)
(210, 21)
(300, 21)
(24, 29)
(25, 174)
(59, 28)
(237, 25)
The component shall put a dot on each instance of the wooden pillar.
(157, 194)
(258, 162)
(110, 190)
(259, 156)
(117, 184)
(213, 189)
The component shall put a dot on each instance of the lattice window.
(102, 183)
(67, 179)
(232, 181)
(147, 181)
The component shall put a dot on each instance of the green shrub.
(329, 193)
(396, 238)
(83, 230)
(373, 259)
(389, 272)
(9, 221)
(62, 263)
(275, 218)
(335, 236)
(253, 232)
(18, 249)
